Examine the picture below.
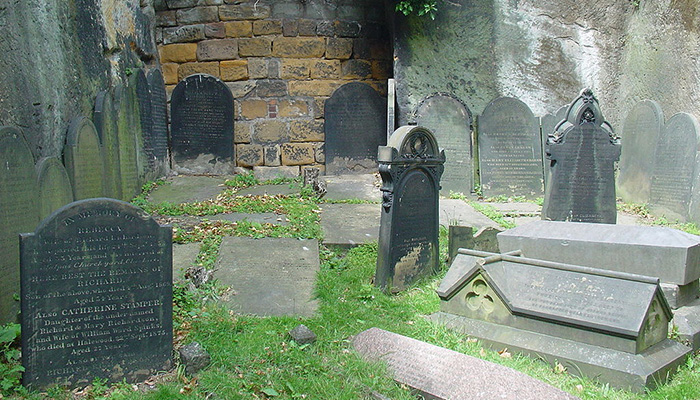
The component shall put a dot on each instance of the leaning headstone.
(640, 135)
(202, 125)
(55, 190)
(96, 297)
(582, 154)
(105, 119)
(127, 139)
(438, 373)
(411, 166)
(158, 140)
(143, 100)
(355, 125)
(136, 89)
(674, 167)
(596, 323)
(82, 156)
(19, 212)
(451, 122)
(510, 150)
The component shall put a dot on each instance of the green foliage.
(241, 181)
(420, 7)
(10, 367)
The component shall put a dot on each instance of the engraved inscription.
(159, 113)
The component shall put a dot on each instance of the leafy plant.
(10, 367)
(420, 7)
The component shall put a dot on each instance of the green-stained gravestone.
(158, 141)
(640, 135)
(451, 122)
(105, 120)
(82, 156)
(510, 150)
(127, 138)
(139, 105)
(19, 212)
(55, 190)
(675, 167)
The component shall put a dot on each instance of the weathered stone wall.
(544, 52)
(56, 56)
(281, 59)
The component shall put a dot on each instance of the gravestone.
(158, 140)
(640, 135)
(390, 108)
(466, 237)
(438, 373)
(451, 122)
(548, 125)
(55, 190)
(674, 167)
(139, 82)
(127, 139)
(105, 119)
(96, 297)
(82, 156)
(510, 150)
(582, 155)
(410, 166)
(19, 212)
(202, 124)
(355, 122)
(596, 323)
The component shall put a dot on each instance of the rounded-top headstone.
(55, 190)
(82, 156)
(640, 134)
(355, 126)
(105, 118)
(128, 126)
(19, 212)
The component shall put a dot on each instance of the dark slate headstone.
(640, 135)
(674, 167)
(582, 154)
(158, 140)
(55, 190)
(548, 124)
(355, 125)
(105, 117)
(451, 122)
(19, 212)
(127, 139)
(510, 150)
(82, 156)
(96, 295)
(410, 166)
(202, 119)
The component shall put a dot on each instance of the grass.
(254, 358)
(643, 211)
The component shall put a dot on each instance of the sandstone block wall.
(281, 59)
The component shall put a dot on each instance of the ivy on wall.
(420, 7)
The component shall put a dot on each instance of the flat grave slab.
(268, 190)
(279, 283)
(438, 373)
(687, 319)
(457, 212)
(345, 187)
(184, 256)
(520, 208)
(262, 218)
(188, 189)
(348, 225)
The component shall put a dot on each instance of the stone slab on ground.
(634, 372)
(189, 189)
(270, 276)
(268, 190)
(438, 373)
(457, 212)
(348, 225)
(345, 187)
(261, 218)
(517, 209)
(687, 319)
(184, 256)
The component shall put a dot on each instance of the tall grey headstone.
(548, 124)
(82, 157)
(640, 135)
(105, 117)
(159, 112)
(582, 155)
(55, 190)
(143, 100)
(451, 122)
(510, 150)
(96, 280)
(674, 167)
(410, 165)
(127, 128)
(390, 108)
(202, 123)
(19, 212)
(355, 125)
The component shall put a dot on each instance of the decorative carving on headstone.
(410, 166)
(582, 152)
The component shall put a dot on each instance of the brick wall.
(281, 59)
